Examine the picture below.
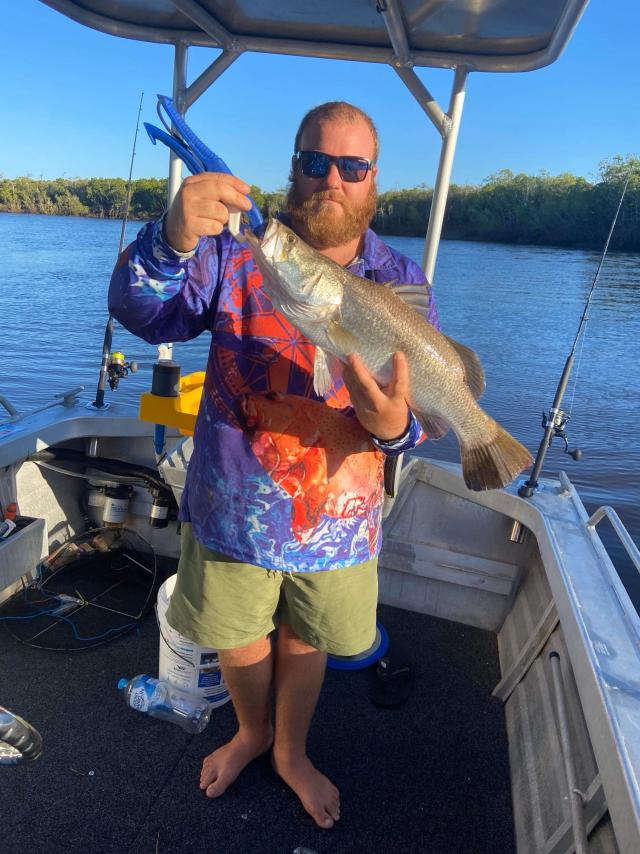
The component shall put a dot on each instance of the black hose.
(148, 475)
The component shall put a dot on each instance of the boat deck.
(431, 776)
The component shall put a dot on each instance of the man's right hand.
(202, 206)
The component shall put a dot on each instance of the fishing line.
(585, 313)
(578, 365)
(99, 403)
(554, 422)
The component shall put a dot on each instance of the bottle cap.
(122, 683)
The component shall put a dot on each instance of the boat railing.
(63, 398)
(8, 406)
(618, 526)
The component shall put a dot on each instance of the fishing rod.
(555, 421)
(113, 365)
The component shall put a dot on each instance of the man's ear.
(292, 173)
(374, 171)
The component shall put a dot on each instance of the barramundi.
(342, 314)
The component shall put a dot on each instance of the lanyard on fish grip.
(196, 156)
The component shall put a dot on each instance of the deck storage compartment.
(21, 552)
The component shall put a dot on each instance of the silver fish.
(343, 314)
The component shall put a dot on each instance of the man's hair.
(338, 111)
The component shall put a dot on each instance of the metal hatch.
(484, 35)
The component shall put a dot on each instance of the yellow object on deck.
(178, 411)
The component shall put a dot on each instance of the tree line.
(544, 209)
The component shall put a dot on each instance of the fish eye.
(291, 238)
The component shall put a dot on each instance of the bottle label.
(115, 510)
(141, 694)
(158, 512)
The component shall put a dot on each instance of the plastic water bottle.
(19, 741)
(165, 701)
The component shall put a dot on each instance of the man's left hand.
(382, 411)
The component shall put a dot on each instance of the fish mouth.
(273, 242)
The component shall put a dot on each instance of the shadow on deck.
(432, 776)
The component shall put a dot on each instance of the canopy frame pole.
(447, 124)
(423, 96)
(180, 56)
(394, 22)
(185, 96)
(403, 62)
(178, 95)
(443, 179)
(209, 76)
(209, 24)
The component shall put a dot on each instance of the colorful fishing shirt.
(279, 477)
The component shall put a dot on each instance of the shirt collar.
(376, 255)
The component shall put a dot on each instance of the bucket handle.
(174, 651)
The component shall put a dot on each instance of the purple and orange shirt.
(279, 477)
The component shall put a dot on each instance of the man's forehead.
(356, 127)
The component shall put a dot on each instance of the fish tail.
(494, 463)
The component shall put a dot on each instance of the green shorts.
(223, 603)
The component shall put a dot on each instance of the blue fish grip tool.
(195, 155)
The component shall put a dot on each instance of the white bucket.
(184, 663)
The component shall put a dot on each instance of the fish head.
(295, 275)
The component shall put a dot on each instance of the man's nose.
(332, 179)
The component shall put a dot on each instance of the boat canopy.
(462, 35)
(484, 35)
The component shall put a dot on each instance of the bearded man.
(282, 504)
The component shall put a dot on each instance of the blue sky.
(70, 98)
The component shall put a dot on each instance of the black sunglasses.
(316, 164)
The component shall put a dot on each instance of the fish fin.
(343, 341)
(322, 379)
(294, 311)
(434, 426)
(473, 370)
(494, 463)
(335, 367)
(417, 295)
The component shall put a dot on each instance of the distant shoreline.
(422, 235)
(542, 210)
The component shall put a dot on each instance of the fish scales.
(343, 314)
(436, 374)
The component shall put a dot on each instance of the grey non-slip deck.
(431, 776)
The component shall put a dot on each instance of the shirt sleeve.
(413, 435)
(160, 294)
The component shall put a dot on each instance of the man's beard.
(323, 226)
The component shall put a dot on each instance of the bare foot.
(221, 767)
(319, 796)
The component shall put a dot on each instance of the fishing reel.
(117, 368)
(557, 419)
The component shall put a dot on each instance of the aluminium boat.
(523, 731)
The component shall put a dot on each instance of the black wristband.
(402, 435)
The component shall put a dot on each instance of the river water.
(517, 306)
